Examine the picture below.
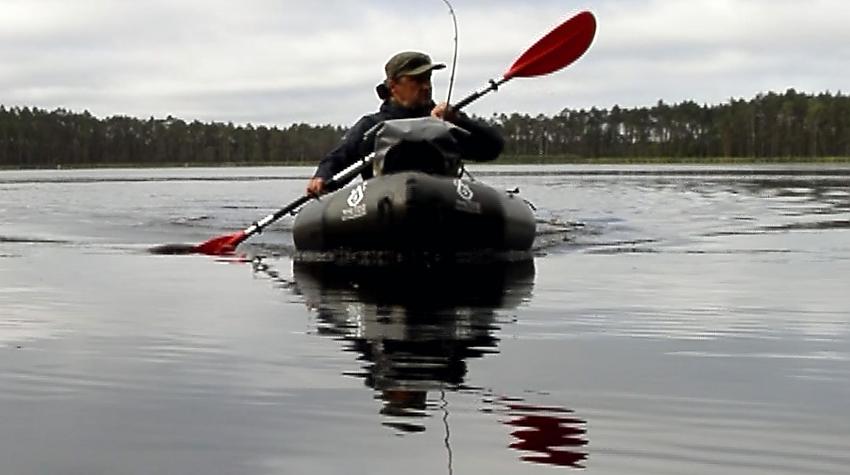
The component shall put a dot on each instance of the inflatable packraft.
(416, 201)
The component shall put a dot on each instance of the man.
(406, 93)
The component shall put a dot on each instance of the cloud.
(281, 62)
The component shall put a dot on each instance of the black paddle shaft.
(494, 85)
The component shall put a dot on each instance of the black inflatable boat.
(416, 202)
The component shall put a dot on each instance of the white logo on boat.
(463, 190)
(465, 203)
(356, 207)
(356, 195)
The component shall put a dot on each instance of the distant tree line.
(770, 125)
(33, 138)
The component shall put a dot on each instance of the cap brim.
(423, 69)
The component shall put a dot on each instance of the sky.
(281, 62)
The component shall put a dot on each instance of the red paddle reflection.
(549, 434)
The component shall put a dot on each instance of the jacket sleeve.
(351, 149)
(485, 142)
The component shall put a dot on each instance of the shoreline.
(513, 160)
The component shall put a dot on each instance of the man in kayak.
(406, 93)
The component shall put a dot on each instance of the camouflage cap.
(410, 63)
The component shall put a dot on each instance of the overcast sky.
(278, 62)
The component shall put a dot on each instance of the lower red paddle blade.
(222, 245)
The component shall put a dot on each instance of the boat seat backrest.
(424, 144)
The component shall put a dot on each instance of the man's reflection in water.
(414, 329)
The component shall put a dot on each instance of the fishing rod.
(454, 54)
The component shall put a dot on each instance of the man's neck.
(415, 109)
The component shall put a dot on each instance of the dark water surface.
(675, 320)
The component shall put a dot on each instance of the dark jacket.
(484, 144)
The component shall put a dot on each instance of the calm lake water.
(674, 320)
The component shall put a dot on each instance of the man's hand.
(315, 186)
(444, 111)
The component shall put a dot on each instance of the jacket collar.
(398, 111)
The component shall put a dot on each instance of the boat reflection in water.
(414, 329)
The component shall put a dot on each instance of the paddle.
(555, 51)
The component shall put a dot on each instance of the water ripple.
(686, 435)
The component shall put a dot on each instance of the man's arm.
(485, 142)
(347, 152)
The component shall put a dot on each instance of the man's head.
(408, 79)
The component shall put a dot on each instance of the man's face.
(412, 91)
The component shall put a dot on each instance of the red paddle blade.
(222, 245)
(559, 48)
